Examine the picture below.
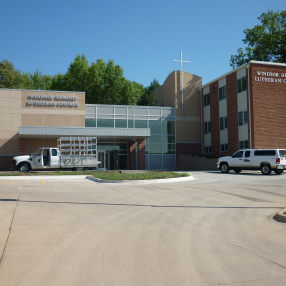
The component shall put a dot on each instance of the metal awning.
(55, 132)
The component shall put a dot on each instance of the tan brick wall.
(15, 112)
(268, 102)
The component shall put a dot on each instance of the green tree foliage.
(103, 83)
(9, 76)
(148, 95)
(265, 42)
(12, 78)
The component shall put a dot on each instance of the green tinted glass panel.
(168, 127)
(140, 123)
(155, 139)
(155, 126)
(90, 123)
(120, 123)
(155, 148)
(130, 123)
(168, 148)
(105, 123)
(168, 139)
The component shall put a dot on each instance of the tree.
(77, 74)
(9, 76)
(147, 97)
(103, 83)
(265, 42)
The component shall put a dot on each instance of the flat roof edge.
(83, 131)
(244, 66)
(41, 90)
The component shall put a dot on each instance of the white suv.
(265, 160)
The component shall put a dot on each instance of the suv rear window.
(282, 153)
(265, 153)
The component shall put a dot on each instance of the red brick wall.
(23, 146)
(132, 155)
(232, 114)
(5, 163)
(141, 154)
(214, 109)
(268, 100)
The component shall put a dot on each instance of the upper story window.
(242, 118)
(207, 127)
(222, 123)
(222, 92)
(241, 84)
(206, 99)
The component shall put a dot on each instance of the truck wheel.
(278, 171)
(265, 169)
(24, 168)
(224, 168)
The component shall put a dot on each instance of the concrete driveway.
(214, 230)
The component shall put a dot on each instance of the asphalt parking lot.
(214, 230)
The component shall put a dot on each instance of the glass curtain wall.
(160, 146)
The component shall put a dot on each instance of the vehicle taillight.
(278, 161)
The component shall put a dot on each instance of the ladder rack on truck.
(78, 151)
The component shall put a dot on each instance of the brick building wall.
(141, 154)
(232, 114)
(214, 110)
(268, 100)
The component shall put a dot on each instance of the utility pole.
(182, 83)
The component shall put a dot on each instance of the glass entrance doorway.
(113, 156)
(109, 160)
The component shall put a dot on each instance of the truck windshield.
(282, 153)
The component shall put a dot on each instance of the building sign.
(272, 77)
(52, 101)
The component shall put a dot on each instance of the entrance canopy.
(54, 132)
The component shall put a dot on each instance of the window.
(237, 154)
(206, 99)
(241, 84)
(208, 149)
(207, 127)
(54, 152)
(243, 144)
(222, 123)
(223, 147)
(242, 118)
(265, 153)
(245, 117)
(282, 153)
(247, 154)
(222, 92)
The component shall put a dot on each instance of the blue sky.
(141, 36)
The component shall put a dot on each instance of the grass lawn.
(105, 175)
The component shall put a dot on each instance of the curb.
(280, 216)
(47, 178)
(131, 182)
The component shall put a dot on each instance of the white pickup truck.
(72, 153)
(266, 160)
